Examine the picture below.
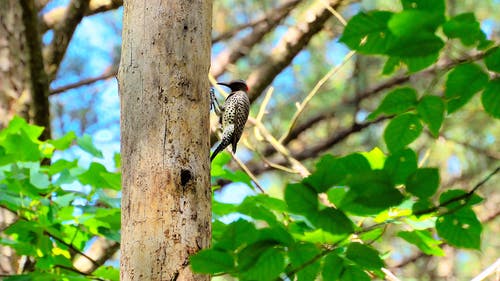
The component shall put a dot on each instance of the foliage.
(303, 236)
(326, 225)
(59, 204)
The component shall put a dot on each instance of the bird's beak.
(223, 84)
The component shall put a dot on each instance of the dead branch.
(63, 31)
(54, 17)
(296, 38)
(243, 46)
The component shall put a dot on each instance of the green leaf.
(237, 234)
(222, 209)
(333, 221)
(423, 183)
(248, 256)
(301, 199)
(391, 64)
(414, 21)
(236, 176)
(301, 254)
(460, 228)
(462, 83)
(366, 189)
(354, 273)
(422, 205)
(371, 235)
(18, 124)
(320, 236)
(86, 144)
(332, 267)
(423, 240)
(217, 167)
(98, 176)
(464, 27)
(431, 111)
(368, 32)
(417, 63)
(38, 179)
(397, 101)
(22, 146)
(268, 202)
(211, 261)
(491, 98)
(61, 165)
(278, 234)
(416, 45)
(400, 165)
(107, 273)
(331, 171)
(257, 212)
(336, 194)
(375, 157)
(401, 131)
(64, 142)
(456, 198)
(268, 266)
(492, 59)
(117, 159)
(364, 256)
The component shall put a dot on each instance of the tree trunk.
(14, 63)
(166, 200)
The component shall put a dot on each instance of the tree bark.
(166, 200)
(14, 63)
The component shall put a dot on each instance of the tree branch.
(243, 46)
(83, 82)
(38, 77)
(290, 45)
(465, 196)
(54, 17)
(323, 145)
(63, 31)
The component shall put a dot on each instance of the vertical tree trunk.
(14, 63)
(166, 200)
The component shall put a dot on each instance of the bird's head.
(236, 85)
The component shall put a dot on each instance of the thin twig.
(389, 275)
(262, 111)
(72, 248)
(465, 196)
(488, 271)
(313, 92)
(280, 148)
(335, 13)
(83, 82)
(248, 172)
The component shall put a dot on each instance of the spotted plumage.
(233, 115)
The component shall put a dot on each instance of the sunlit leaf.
(423, 240)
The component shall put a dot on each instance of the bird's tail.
(219, 148)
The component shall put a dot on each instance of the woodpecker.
(233, 114)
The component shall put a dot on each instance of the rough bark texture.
(14, 66)
(166, 201)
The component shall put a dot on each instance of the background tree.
(343, 64)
